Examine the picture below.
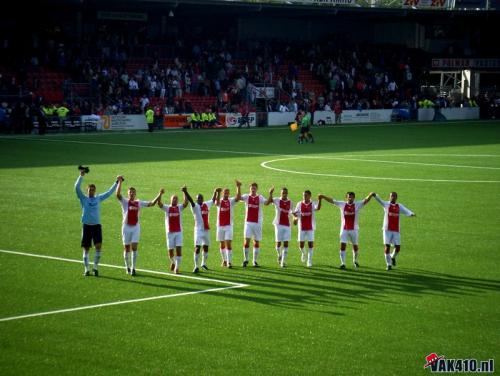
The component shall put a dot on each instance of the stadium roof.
(270, 6)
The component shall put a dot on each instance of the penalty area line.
(267, 166)
(232, 285)
(119, 302)
(121, 267)
(355, 157)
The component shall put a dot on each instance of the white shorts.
(282, 233)
(349, 236)
(224, 233)
(392, 237)
(306, 236)
(131, 234)
(174, 239)
(201, 237)
(253, 230)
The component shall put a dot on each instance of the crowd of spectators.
(356, 76)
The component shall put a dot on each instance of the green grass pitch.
(443, 297)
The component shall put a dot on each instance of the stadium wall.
(117, 122)
(430, 114)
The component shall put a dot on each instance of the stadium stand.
(111, 70)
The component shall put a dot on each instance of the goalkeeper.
(304, 118)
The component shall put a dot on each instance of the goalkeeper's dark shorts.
(304, 130)
(91, 233)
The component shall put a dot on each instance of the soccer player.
(349, 212)
(304, 215)
(253, 222)
(173, 227)
(201, 210)
(91, 219)
(225, 208)
(131, 228)
(282, 228)
(391, 226)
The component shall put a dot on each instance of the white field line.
(147, 146)
(233, 285)
(122, 267)
(347, 157)
(119, 302)
(253, 129)
(423, 155)
(266, 165)
(409, 163)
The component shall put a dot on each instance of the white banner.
(465, 63)
(116, 122)
(263, 92)
(455, 113)
(354, 116)
(425, 114)
(93, 121)
(124, 122)
(235, 119)
(280, 118)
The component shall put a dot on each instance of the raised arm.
(270, 198)
(187, 197)
(367, 199)
(216, 196)
(109, 192)
(160, 204)
(156, 200)
(119, 188)
(238, 190)
(326, 198)
(379, 200)
(406, 211)
(78, 184)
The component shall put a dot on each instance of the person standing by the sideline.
(150, 119)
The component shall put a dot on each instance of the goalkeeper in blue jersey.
(304, 119)
(91, 220)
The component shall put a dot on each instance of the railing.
(23, 95)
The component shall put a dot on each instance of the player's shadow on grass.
(329, 290)
(163, 282)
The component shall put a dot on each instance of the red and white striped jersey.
(349, 214)
(225, 212)
(283, 212)
(253, 208)
(130, 210)
(391, 214)
(200, 214)
(173, 218)
(305, 213)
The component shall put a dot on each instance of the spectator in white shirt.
(144, 102)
